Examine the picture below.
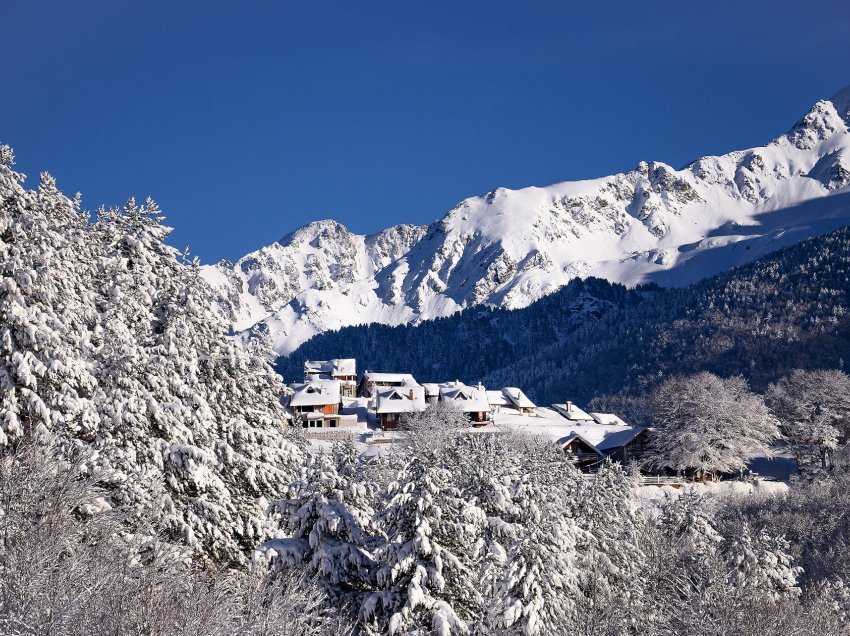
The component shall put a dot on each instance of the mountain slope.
(787, 310)
(509, 248)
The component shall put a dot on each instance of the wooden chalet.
(371, 382)
(316, 403)
(625, 446)
(393, 403)
(342, 369)
(470, 400)
(581, 451)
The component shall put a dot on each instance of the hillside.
(593, 338)
(509, 248)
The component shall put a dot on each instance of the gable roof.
(403, 399)
(618, 439)
(575, 436)
(497, 398)
(518, 398)
(469, 399)
(389, 378)
(315, 393)
(572, 412)
(330, 368)
(608, 418)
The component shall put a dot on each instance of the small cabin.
(625, 446)
(581, 451)
(371, 382)
(342, 369)
(394, 403)
(470, 400)
(316, 403)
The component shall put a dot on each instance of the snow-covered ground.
(508, 248)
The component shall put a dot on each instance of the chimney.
(569, 406)
(411, 395)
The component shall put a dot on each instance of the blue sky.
(246, 120)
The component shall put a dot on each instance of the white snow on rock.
(508, 248)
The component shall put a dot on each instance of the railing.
(661, 480)
(329, 434)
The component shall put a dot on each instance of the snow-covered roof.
(518, 398)
(330, 368)
(608, 419)
(403, 399)
(469, 399)
(315, 393)
(497, 398)
(572, 412)
(619, 439)
(553, 425)
(431, 389)
(389, 378)
(575, 436)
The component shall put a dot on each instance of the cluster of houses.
(333, 397)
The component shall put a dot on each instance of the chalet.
(607, 419)
(470, 400)
(512, 399)
(316, 403)
(372, 382)
(626, 445)
(432, 393)
(497, 400)
(574, 414)
(395, 402)
(519, 400)
(342, 369)
(580, 450)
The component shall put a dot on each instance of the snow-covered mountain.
(509, 248)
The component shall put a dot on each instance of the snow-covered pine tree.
(108, 340)
(44, 377)
(537, 590)
(612, 562)
(327, 520)
(761, 564)
(425, 581)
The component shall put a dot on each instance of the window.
(332, 423)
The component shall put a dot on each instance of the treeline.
(498, 534)
(109, 343)
(591, 339)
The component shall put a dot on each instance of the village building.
(582, 453)
(342, 369)
(432, 392)
(510, 398)
(316, 404)
(607, 419)
(519, 400)
(625, 446)
(372, 382)
(497, 400)
(470, 400)
(395, 402)
(574, 414)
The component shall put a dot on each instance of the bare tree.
(434, 427)
(814, 409)
(708, 424)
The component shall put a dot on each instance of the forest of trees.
(150, 484)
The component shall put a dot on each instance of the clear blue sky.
(247, 119)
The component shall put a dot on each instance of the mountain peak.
(314, 229)
(507, 248)
(841, 101)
